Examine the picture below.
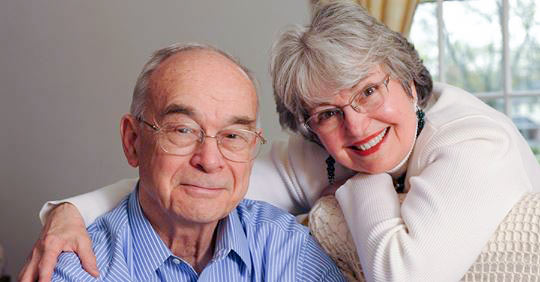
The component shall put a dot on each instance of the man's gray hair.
(140, 93)
(310, 64)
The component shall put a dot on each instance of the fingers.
(51, 250)
(88, 259)
(64, 230)
(29, 272)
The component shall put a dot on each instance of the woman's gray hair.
(140, 93)
(310, 64)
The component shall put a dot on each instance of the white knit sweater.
(468, 168)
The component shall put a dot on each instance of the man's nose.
(207, 157)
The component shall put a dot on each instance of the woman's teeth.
(373, 141)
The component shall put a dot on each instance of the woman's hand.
(64, 230)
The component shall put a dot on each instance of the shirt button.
(176, 261)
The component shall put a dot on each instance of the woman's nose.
(355, 123)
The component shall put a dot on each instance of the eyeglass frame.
(157, 130)
(356, 108)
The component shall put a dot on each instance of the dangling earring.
(330, 170)
(420, 117)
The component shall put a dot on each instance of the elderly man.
(192, 134)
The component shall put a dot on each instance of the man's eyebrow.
(242, 120)
(177, 109)
(190, 111)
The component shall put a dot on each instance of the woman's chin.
(375, 164)
(375, 169)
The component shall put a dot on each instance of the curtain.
(396, 14)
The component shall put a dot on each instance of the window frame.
(507, 94)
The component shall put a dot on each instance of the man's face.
(211, 91)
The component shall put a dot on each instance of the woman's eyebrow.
(365, 81)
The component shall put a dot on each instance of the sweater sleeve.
(291, 175)
(465, 179)
(93, 204)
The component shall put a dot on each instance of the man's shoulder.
(254, 213)
(110, 225)
(69, 268)
(274, 234)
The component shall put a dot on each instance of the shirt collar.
(231, 237)
(150, 252)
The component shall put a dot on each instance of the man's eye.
(183, 130)
(236, 135)
(328, 114)
(231, 136)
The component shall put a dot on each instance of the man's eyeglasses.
(369, 99)
(182, 138)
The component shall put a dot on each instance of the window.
(490, 48)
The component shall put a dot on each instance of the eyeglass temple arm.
(153, 126)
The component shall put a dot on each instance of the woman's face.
(375, 141)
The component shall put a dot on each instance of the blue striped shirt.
(255, 242)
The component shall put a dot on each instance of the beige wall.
(66, 76)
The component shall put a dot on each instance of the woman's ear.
(413, 92)
(129, 132)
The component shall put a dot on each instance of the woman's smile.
(370, 144)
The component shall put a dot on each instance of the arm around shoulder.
(96, 203)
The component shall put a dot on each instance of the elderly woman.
(359, 90)
(359, 94)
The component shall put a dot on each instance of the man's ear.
(130, 138)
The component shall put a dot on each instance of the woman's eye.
(369, 91)
(328, 114)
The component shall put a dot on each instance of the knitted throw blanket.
(511, 254)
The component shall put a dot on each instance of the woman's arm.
(292, 175)
(93, 204)
(463, 179)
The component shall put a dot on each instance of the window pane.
(473, 44)
(524, 27)
(526, 116)
(424, 36)
(496, 103)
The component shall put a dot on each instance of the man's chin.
(202, 215)
(203, 192)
